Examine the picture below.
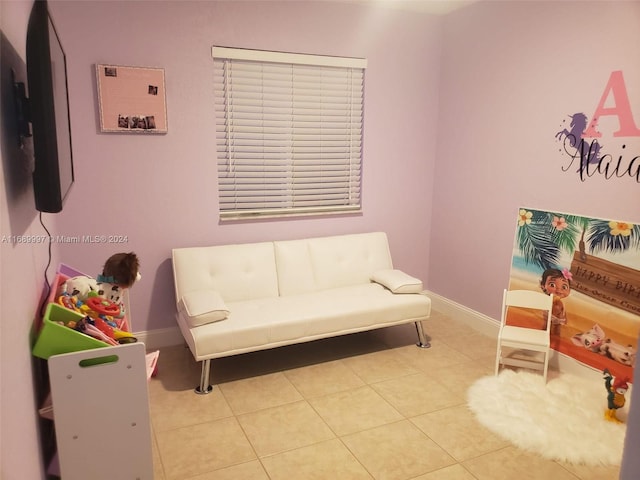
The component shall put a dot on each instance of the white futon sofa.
(234, 299)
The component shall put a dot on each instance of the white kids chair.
(523, 339)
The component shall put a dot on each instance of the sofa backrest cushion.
(237, 272)
(330, 262)
(295, 271)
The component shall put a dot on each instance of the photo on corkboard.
(591, 266)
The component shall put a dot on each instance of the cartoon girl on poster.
(557, 283)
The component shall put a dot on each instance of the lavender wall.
(512, 72)
(161, 191)
(22, 269)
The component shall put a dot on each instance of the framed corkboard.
(131, 99)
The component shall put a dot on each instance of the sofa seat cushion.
(270, 322)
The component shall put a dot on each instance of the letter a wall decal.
(621, 109)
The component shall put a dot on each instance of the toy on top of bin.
(119, 273)
(102, 299)
(98, 306)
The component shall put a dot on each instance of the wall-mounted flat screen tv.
(49, 111)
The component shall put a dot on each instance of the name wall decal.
(581, 145)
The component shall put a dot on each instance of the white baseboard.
(163, 337)
(489, 326)
(476, 320)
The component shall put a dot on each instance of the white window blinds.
(288, 132)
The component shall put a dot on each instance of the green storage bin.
(55, 338)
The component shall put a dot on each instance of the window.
(288, 133)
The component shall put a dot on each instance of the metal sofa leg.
(204, 387)
(422, 339)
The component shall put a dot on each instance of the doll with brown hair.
(119, 273)
(121, 269)
(557, 283)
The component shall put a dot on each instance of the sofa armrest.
(203, 306)
(397, 281)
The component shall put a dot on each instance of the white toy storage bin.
(101, 413)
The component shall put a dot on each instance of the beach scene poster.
(591, 267)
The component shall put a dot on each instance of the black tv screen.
(49, 111)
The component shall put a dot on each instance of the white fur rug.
(562, 420)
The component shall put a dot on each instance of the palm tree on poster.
(542, 236)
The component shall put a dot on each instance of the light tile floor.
(365, 406)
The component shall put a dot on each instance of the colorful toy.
(103, 326)
(119, 273)
(103, 306)
(80, 287)
(616, 388)
(122, 337)
(101, 301)
(86, 326)
(68, 301)
(101, 330)
(112, 293)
